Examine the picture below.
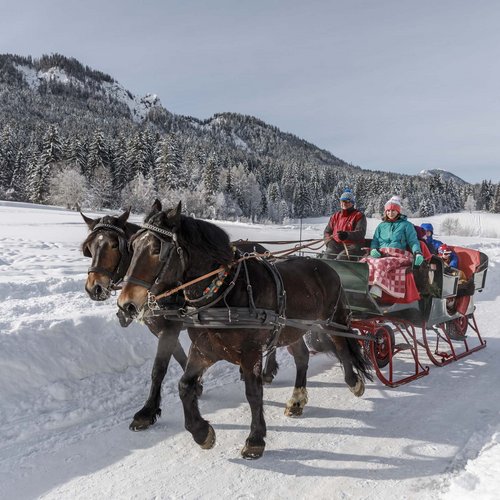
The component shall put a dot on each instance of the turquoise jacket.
(398, 234)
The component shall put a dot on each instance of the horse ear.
(156, 206)
(90, 222)
(124, 216)
(174, 215)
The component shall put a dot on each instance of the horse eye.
(114, 245)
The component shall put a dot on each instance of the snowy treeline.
(71, 140)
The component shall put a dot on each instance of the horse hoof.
(142, 422)
(294, 411)
(359, 389)
(252, 451)
(210, 439)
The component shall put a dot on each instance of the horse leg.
(180, 355)
(355, 382)
(270, 368)
(148, 414)
(202, 432)
(295, 405)
(181, 358)
(251, 364)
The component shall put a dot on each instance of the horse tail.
(322, 342)
(360, 358)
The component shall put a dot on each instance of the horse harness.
(121, 268)
(166, 247)
(199, 312)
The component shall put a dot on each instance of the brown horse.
(174, 249)
(107, 245)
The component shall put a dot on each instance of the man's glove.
(419, 258)
(375, 253)
(342, 235)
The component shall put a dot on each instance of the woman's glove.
(419, 258)
(375, 253)
(342, 235)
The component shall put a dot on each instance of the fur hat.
(393, 204)
(348, 195)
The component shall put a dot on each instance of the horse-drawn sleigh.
(239, 304)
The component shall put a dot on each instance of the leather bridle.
(169, 242)
(117, 273)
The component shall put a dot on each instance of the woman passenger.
(389, 256)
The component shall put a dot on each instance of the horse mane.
(208, 237)
(196, 233)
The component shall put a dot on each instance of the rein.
(254, 255)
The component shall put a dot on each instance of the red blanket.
(389, 271)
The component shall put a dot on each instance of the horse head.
(170, 249)
(155, 263)
(107, 245)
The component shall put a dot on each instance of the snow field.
(72, 379)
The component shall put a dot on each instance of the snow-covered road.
(71, 379)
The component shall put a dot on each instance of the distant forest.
(76, 141)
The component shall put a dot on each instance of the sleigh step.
(402, 347)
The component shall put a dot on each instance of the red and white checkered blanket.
(389, 271)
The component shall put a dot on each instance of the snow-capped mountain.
(444, 174)
(55, 112)
(139, 106)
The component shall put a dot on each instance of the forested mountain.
(71, 134)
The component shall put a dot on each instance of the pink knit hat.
(393, 204)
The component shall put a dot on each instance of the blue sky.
(393, 85)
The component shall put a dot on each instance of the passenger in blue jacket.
(432, 244)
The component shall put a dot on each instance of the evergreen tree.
(168, 171)
(18, 182)
(301, 200)
(211, 176)
(485, 196)
(495, 204)
(97, 155)
(51, 147)
(7, 156)
(426, 207)
(37, 182)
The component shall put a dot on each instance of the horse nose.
(96, 292)
(130, 309)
